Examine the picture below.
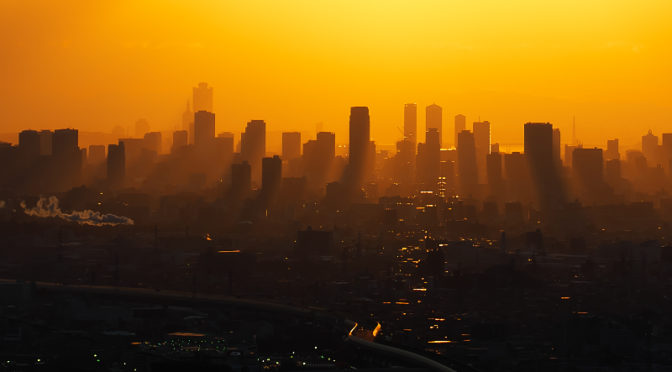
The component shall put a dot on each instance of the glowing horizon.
(294, 64)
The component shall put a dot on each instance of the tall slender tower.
(359, 144)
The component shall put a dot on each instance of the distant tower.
(650, 148)
(612, 149)
(359, 144)
(253, 146)
(466, 163)
(460, 125)
(204, 128)
(411, 123)
(29, 143)
(538, 144)
(434, 120)
(203, 98)
(271, 177)
(116, 164)
(482, 142)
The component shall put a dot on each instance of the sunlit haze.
(94, 65)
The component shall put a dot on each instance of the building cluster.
(542, 179)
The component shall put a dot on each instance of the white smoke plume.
(48, 207)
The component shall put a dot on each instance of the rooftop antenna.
(574, 130)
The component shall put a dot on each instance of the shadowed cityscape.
(422, 240)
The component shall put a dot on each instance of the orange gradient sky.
(97, 64)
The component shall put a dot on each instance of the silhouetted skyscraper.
(434, 120)
(29, 144)
(466, 163)
(203, 98)
(650, 148)
(116, 164)
(460, 125)
(318, 158)
(271, 178)
(241, 179)
(495, 175)
(359, 144)
(291, 145)
(428, 164)
(204, 128)
(411, 123)
(65, 142)
(612, 149)
(588, 172)
(253, 146)
(482, 142)
(538, 144)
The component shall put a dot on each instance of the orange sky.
(97, 64)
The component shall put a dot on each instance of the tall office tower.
(466, 164)
(495, 175)
(29, 144)
(612, 150)
(588, 172)
(65, 142)
(556, 148)
(241, 179)
(203, 98)
(141, 127)
(153, 142)
(517, 177)
(116, 164)
(253, 146)
(46, 141)
(96, 154)
(434, 120)
(204, 128)
(180, 139)
(460, 125)
(538, 145)
(482, 141)
(650, 148)
(271, 177)
(318, 158)
(291, 145)
(411, 123)
(428, 164)
(359, 145)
